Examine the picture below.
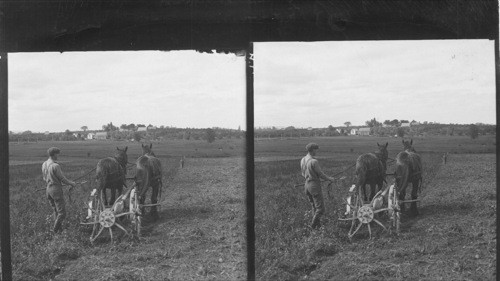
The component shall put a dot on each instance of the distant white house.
(414, 123)
(151, 128)
(101, 135)
(47, 133)
(405, 124)
(364, 131)
(309, 128)
(142, 129)
(353, 132)
(90, 136)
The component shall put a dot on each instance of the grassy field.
(453, 238)
(200, 234)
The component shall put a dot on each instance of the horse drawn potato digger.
(129, 205)
(363, 213)
(103, 216)
(388, 200)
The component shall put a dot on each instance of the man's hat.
(311, 146)
(53, 150)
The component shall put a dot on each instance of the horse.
(408, 146)
(149, 174)
(408, 170)
(110, 174)
(370, 169)
(147, 150)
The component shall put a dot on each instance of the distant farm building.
(90, 136)
(353, 132)
(405, 124)
(101, 135)
(364, 131)
(142, 129)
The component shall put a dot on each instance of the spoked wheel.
(102, 217)
(361, 214)
(135, 213)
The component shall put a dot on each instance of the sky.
(317, 84)
(64, 91)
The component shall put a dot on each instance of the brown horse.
(148, 175)
(408, 146)
(370, 169)
(408, 170)
(110, 174)
(147, 150)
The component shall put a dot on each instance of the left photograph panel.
(127, 165)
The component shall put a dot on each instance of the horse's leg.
(113, 194)
(414, 196)
(362, 185)
(142, 199)
(103, 188)
(119, 188)
(154, 200)
(373, 190)
(402, 195)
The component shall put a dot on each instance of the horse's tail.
(160, 187)
(157, 173)
(360, 174)
(402, 175)
(143, 175)
(100, 176)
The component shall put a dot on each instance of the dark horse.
(110, 174)
(370, 169)
(147, 150)
(408, 170)
(408, 146)
(148, 175)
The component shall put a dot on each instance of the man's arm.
(58, 172)
(320, 173)
(44, 172)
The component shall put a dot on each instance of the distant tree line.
(378, 129)
(130, 132)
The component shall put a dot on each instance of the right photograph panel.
(375, 160)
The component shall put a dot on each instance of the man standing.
(312, 173)
(52, 174)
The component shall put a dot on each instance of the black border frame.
(228, 26)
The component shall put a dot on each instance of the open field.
(200, 234)
(453, 238)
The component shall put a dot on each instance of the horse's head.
(147, 149)
(382, 153)
(121, 156)
(408, 146)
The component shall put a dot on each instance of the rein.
(86, 174)
(344, 170)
